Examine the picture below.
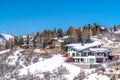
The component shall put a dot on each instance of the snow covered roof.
(100, 50)
(60, 40)
(79, 46)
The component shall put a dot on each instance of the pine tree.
(16, 41)
(115, 28)
(60, 32)
(20, 41)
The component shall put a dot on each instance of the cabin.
(55, 43)
(89, 53)
(50, 44)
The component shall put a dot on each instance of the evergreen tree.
(60, 32)
(20, 41)
(16, 43)
(115, 28)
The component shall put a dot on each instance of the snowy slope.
(53, 63)
(4, 51)
(7, 36)
(13, 58)
(95, 76)
(25, 63)
(49, 65)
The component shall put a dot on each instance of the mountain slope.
(5, 37)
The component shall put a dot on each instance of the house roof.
(80, 47)
(100, 50)
(60, 40)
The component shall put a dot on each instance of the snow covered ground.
(106, 42)
(7, 36)
(19, 57)
(95, 76)
(13, 58)
(4, 51)
(51, 64)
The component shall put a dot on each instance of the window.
(91, 53)
(73, 54)
(83, 54)
(69, 49)
(82, 60)
(76, 60)
(77, 54)
(73, 49)
(91, 60)
(99, 54)
(99, 60)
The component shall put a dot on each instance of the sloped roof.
(79, 46)
(100, 50)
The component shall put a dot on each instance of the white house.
(88, 53)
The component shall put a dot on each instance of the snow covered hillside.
(106, 43)
(20, 64)
(7, 36)
(4, 37)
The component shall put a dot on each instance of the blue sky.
(20, 17)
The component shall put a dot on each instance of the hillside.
(5, 37)
(20, 64)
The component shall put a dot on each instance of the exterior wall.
(71, 51)
(87, 58)
(58, 45)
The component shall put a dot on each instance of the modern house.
(90, 53)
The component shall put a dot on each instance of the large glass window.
(90, 53)
(83, 54)
(91, 60)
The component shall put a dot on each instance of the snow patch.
(1, 52)
(95, 76)
(13, 58)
